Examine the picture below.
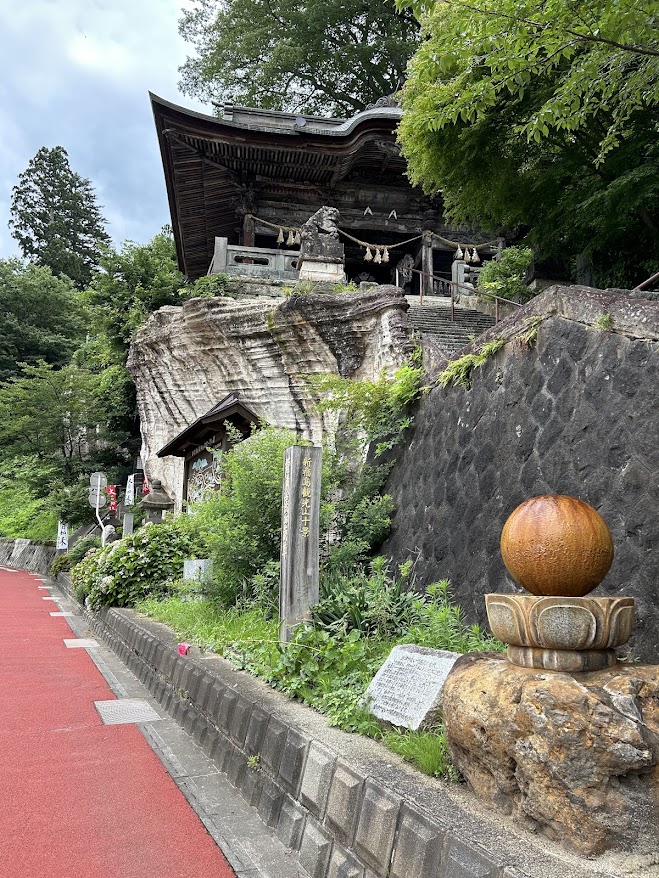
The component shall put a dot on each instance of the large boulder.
(574, 755)
(185, 359)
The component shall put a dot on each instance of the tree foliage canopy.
(134, 281)
(55, 217)
(41, 317)
(542, 114)
(52, 414)
(336, 57)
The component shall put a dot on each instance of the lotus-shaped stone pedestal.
(561, 633)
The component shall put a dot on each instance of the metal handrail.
(647, 283)
(454, 285)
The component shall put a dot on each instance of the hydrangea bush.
(145, 563)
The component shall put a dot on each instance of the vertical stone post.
(128, 524)
(300, 514)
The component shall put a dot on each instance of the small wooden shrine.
(253, 177)
(217, 430)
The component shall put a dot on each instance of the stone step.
(433, 318)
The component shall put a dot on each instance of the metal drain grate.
(125, 710)
(80, 642)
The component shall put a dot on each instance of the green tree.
(542, 116)
(134, 281)
(56, 417)
(41, 317)
(334, 57)
(55, 217)
(504, 276)
(241, 521)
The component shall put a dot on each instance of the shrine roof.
(200, 431)
(210, 163)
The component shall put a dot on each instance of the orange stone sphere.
(556, 545)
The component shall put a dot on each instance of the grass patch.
(329, 666)
(231, 633)
(458, 373)
(428, 751)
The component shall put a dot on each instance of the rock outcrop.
(576, 755)
(185, 359)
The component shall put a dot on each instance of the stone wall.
(25, 555)
(575, 413)
(184, 360)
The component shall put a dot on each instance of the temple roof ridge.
(279, 121)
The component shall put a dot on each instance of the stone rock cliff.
(185, 359)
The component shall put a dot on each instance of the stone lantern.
(156, 503)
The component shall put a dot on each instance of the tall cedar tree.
(55, 217)
(332, 57)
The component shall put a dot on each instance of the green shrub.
(331, 672)
(504, 276)
(372, 603)
(377, 409)
(60, 564)
(207, 287)
(241, 521)
(78, 551)
(440, 625)
(144, 563)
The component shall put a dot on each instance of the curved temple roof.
(215, 168)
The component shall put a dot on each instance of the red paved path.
(78, 798)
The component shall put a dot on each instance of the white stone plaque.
(407, 690)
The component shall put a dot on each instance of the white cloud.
(76, 73)
(102, 56)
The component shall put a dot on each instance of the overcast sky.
(76, 73)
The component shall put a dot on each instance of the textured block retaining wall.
(27, 555)
(576, 414)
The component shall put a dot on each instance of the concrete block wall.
(25, 555)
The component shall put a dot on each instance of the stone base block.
(560, 623)
(315, 270)
(576, 755)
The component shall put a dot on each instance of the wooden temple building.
(253, 177)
